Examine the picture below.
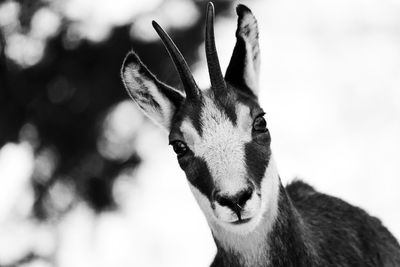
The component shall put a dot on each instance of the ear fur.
(157, 100)
(244, 67)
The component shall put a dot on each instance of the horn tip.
(210, 7)
(155, 24)
(210, 13)
(158, 28)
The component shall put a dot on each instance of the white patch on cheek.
(270, 192)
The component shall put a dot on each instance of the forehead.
(213, 113)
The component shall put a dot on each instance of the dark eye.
(259, 124)
(179, 147)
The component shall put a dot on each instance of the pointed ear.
(157, 100)
(244, 67)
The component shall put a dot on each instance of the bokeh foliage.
(59, 104)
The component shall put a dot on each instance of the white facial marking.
(136, 82)
(248, 238)
(222, 146)
(270, 192)
(190, 134)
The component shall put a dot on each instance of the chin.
(241, 227)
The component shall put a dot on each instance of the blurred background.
(87, 180)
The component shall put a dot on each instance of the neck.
(276, 240)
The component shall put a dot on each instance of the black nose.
(234, 202)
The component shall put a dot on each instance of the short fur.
(254, 219)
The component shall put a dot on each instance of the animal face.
(219, 134)
(223, 147)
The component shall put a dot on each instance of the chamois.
(222, 144)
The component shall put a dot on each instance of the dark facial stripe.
(227, 103)
(191, 110)
(198, 174)
(195, 115)
(257, 156)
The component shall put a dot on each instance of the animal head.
(219, 134)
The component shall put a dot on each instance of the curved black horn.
(216, 77)
(189, 84)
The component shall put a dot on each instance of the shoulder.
(331, 218)
(309, 201)
(319, 209)
(298, 188)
